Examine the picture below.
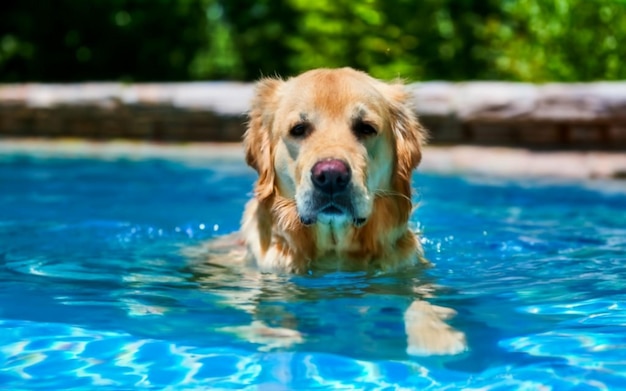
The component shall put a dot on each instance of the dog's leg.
(223, 262)
(427, 332)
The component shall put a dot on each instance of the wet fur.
(275, 237)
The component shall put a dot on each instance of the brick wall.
(589, 115)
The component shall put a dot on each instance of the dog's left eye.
(363, 129)
(299, 130)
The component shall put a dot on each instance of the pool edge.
(497, 161)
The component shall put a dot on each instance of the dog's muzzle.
(331, 196)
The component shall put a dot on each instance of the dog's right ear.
(257, 139)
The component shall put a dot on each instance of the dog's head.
(330, 141)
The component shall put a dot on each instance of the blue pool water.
(96, 292)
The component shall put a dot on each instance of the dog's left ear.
(257, 139)
(409, 134)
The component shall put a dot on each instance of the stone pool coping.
(497, 161)
(585, 116)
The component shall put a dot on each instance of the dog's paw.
(269, 337)
(430, 342)
(428, 334)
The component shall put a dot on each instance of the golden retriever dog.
(334, 150)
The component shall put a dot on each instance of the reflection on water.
(95, 289)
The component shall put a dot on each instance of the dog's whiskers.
(389, 193)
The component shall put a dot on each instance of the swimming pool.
(95, 291)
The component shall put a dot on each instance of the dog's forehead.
(336, 92)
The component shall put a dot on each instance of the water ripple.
(96, 292)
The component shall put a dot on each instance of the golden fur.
(381, 164)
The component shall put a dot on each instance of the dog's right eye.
(364, 129)
(299, 130)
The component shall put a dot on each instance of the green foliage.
(219, 57)
(260, 29)
(525, 40)
(68, 40)
(427, 39)
(565, 40)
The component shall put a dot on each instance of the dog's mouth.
(333, 211)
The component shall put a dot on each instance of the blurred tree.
(219, 58)
(260, 32)
(69, 40)
(564, 40)
(525, 40)
(429, 39)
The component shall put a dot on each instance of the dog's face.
(331, 141)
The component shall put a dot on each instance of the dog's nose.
(331, 175)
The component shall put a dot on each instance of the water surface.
(95, 291)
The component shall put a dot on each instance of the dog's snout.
(331, 175)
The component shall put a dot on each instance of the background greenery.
(158, 40)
